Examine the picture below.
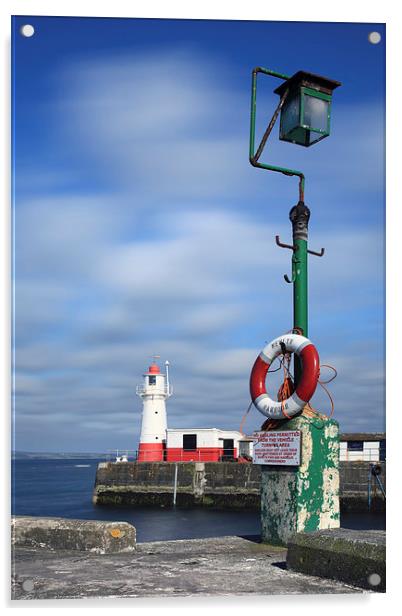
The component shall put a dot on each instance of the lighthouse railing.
(141, 390)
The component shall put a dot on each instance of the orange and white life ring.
(306, 351)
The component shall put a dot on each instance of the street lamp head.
(306, 112)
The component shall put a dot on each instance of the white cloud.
(190, 298)
(157, 125)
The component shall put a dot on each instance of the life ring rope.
(306, 351)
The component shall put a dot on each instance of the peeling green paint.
(304, 498)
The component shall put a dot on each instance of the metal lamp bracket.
(254, 156)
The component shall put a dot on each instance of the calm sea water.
(63, 488)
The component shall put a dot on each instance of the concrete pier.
(226, 566)
(218, 485)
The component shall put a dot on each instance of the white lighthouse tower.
(154, 393)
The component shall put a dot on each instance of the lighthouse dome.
(154, 369)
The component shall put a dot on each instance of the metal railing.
(374, 476)
(167, 390)
(182, 455)
(207, 454)
(121, 455)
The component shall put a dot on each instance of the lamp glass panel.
(290, 117)
(314, 137)
(316, 113)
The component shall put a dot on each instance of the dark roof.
(363, 436)
(310, 80)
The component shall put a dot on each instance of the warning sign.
(277, 448)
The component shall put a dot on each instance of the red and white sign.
(277, 448)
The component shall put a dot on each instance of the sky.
(140, 228)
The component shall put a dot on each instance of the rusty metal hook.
(286, 277)
(317, 254)
(279, 243)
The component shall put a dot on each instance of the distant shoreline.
(35, 455)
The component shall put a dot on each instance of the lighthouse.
(154, 392)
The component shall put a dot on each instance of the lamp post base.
(303, 498)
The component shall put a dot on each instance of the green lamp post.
(305, 108)
(302, 498)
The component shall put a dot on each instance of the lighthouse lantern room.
(154, 391)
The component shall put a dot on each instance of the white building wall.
(236, 436)
(370, 453)
(206, 437)
(343, 451)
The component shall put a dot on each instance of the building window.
(382, 451)
(189, 442)
(244, 448)
(152, 380)
(355, 445)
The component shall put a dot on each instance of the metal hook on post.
(286, 277)
(282, 245)
(294, 248)
(317, 254)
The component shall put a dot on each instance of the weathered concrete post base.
(352, 556)
(82, 535)
(303, 498)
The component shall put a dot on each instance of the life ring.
(289, 343)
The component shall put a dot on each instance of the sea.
(63, 488)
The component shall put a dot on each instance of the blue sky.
(141, 228)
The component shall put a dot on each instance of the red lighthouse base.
(151, 452)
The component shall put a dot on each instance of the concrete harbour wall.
(218, 485)
(209, 484)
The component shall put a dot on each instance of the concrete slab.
(67, 534)
(225, 566)
(355, 556)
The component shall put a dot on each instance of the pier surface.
(225, 566)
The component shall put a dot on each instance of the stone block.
(64, 534)
(351, 556)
